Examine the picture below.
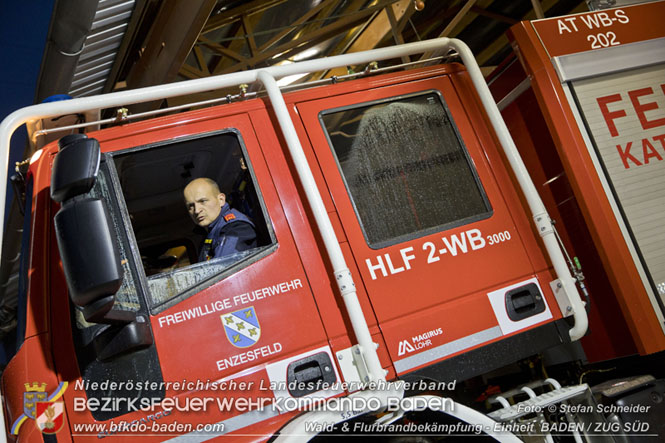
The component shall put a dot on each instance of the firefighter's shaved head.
(204, 201)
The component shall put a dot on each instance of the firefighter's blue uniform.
(231, 232)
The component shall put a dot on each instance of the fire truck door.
(239, 315)
(422, 210)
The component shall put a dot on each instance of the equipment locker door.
(424, 215)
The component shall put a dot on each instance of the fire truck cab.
(394, 242)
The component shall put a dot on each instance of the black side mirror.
(75, 167)
(89, 254)
(87, 244)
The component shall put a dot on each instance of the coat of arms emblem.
(242, 327)
(34, 393)
(47, 413)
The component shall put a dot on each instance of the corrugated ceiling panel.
(101, 46)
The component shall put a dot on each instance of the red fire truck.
(584, 100)
(401, 248)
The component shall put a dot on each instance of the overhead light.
(289, 79)
(307, 53)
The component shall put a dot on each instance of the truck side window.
(152, 179)
(405, 167)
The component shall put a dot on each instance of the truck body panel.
(583, 94)
(435, 283)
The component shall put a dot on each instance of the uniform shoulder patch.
(229, 217)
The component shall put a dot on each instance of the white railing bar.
(228, 98)
(158, 92)
(340, 268)
(538, 211)
(128, 117)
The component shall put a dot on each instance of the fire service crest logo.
(242, 327)
(49, 416)
(47, 412)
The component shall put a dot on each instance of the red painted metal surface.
(572, 152)
(450, 294)
(439, 293)
(608, 336)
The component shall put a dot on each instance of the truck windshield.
(14, 293)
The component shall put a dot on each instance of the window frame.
(427, 231)
(156, 308)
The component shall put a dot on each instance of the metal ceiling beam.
(537, 9)
(247, 28)
(224, 18)
(378, 29)
(458, 18)
(493, 15)
(241, 36)
(396, 30)
(308, 40)
(450, 26)
(298, 23)
(502, 42)
(228, 51)
(220, 49)
(363, 24)
(200, 59)
(305, 41)
(350, 37)
(170, 40)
